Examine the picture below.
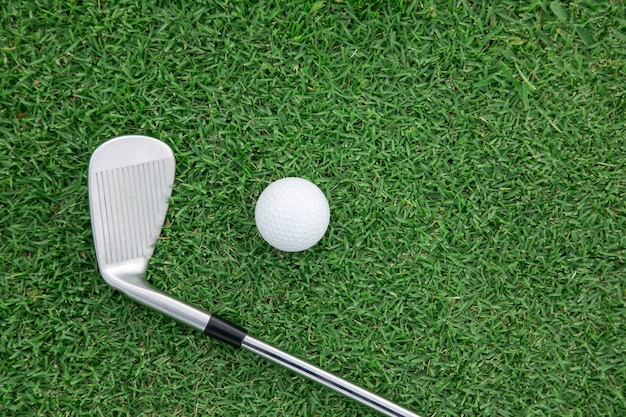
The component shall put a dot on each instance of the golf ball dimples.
(292, 214)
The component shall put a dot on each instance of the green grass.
(474, 158)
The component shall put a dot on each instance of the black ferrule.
(225, 331)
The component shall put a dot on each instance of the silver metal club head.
(130, 181)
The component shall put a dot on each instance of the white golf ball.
(292, 214)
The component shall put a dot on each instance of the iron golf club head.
(130, 181)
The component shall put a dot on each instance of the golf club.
(130, 182)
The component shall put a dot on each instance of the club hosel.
(140, 291)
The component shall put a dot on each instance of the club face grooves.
(130, 181)
(133, 205)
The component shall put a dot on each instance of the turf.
(474, 160)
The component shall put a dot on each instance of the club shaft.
(325, 378)
(198, 319)
(146, 294)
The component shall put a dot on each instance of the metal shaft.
(325, 378)
(197, 318)
(141, 291)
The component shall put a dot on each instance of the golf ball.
(292, 214)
